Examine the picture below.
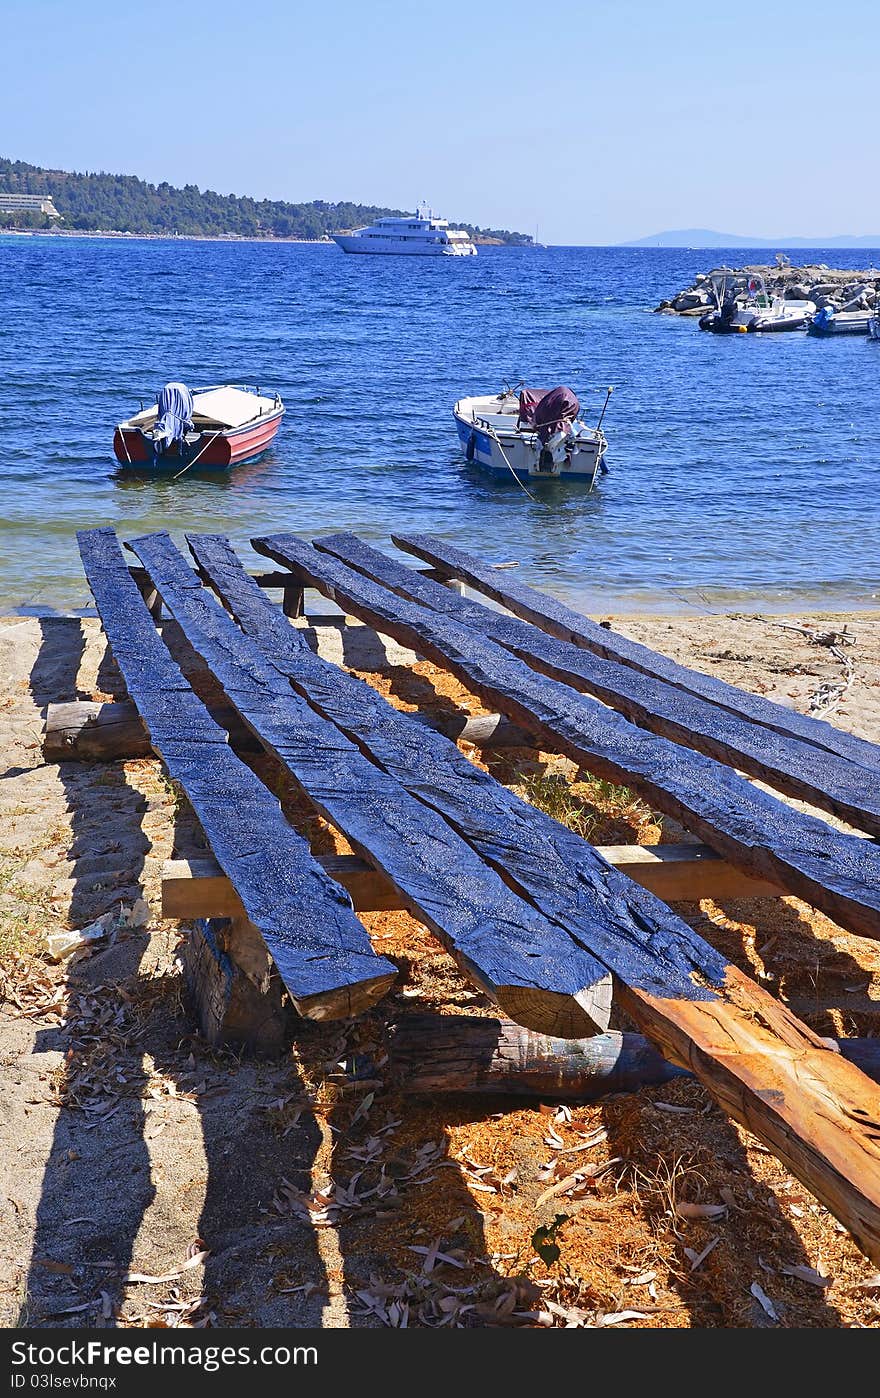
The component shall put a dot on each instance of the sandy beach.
(149, 1180)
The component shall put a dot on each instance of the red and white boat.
(219, 426)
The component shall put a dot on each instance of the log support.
(86, 731)
(237, 995)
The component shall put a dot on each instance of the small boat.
(531, 432)
(422, 234)
(754, 310)
(831, 322)
(219, 426)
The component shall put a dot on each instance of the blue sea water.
(744, 470)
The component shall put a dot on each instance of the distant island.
(102, 203)
(709, 238)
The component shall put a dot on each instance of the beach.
(153, 1181)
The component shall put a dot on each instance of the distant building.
(27, 204)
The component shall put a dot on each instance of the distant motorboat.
(831, 322)
(219, 426)
(531, 432)
(755, 311)
(420, 235)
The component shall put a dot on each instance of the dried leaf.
(697, 1258)
(764, 1301)
(685, 1209)
(364, 1107)
(808, 1274)
(146, 1279)
(619, 1317)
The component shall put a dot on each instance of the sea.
(744, 471)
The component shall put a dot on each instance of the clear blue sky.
(599, 122)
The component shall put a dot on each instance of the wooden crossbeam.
(318, 945)
(677, 873)
(763, 1066)
(836, 872)
(555, 618)
(197, 887)
(847, 789)
(529, 964)
(87, 731)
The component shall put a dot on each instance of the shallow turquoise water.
(744, 470)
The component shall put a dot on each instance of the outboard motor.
(551, 414)
(175, 406)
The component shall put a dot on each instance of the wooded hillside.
(102, 202)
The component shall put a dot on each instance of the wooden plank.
(846, 789)
(321, 950)
(554, 617)
(532, 967)
(196, 888)
(836, 872)
(431, 1053)
(768, 1070)
(199, 888)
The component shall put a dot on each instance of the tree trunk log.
(467, 1054)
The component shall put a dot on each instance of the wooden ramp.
(528, 964)
(749, 1050)
(502, 884)
(836, 872)
(318, 945)
(556, 619)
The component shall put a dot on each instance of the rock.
(690, 300)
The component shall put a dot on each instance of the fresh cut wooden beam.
(677, 873)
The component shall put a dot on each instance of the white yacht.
(422, 235)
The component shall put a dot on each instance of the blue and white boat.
(827, 321)
(531, 433)
(422, 234)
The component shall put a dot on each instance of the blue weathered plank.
(320, 948)
(822, 778)
(836, 872)
(554, 617)
(527, 962)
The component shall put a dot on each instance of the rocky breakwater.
(840, 290)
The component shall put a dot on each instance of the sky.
(595, 123)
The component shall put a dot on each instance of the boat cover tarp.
(175, 409)
(231, 407)
(547, 410)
